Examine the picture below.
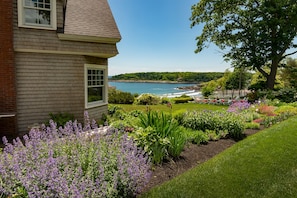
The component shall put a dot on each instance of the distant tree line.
(285, 88)
(191, 77)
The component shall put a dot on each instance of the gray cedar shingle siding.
(51, 83)
(50, 71)
(90, 18)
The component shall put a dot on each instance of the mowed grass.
(262, 165)
(175, 107)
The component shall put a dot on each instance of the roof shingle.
(90, 18)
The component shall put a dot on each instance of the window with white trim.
(37, 14)
(95, 85)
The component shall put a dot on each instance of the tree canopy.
(256, 33)
(191, 77)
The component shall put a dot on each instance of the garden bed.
(192, 156)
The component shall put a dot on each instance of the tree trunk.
(271, 77)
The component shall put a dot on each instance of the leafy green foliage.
(252, 125)
(196, 77)
(256, 33)
(247, 169)
(121, 120)
(286, 95)
(289, 73)
(152, 143)
(216, 121)
(196, 136)
(147, 99)
(60, 118)
(272, 120)
(119, 97)
(286, 108)
(159, 135)
(182, 99)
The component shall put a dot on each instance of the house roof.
(91, 20)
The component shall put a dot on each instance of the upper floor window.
(37, 14)
(96, 85)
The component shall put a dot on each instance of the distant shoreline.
(195, 86)
(152, 81)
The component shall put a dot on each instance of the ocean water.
(167, 89)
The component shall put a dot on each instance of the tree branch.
(289, 54)
(262, 72)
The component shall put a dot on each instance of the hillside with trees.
(190, 77)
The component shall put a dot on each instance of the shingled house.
(53, 58)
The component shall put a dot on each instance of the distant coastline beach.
(152, 81)
(162, 88)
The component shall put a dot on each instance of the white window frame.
(104, 100)
(21, 17)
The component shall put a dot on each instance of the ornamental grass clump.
(73, 161)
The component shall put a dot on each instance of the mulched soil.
(192, 156)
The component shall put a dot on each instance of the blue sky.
(156, 37)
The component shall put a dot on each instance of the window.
(37, 14)
(95, 85)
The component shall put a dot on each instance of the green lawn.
(262, 165)
(175, 107)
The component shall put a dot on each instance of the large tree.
(255, 33)
(289, 73)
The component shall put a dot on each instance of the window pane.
(44, 17)
(31, 16)
(31, 3)
(47, 6)
(37, 16)
(95, 94)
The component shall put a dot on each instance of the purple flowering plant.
(73, 161)
(238, 106)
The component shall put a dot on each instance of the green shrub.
(119, 97)
(293, 104)
(271, 120)
(179, 116)
(275, 102)
(196, 137)
(215, 120)
(252, 125)
(165, 100)
(147, 99)
(123, 121)
(179, 100)
(286, 108)
(60, 118)
(120, 114)
(286, 95)
(249, 115)
(112, 109)
(252, 96)
(213, 135)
